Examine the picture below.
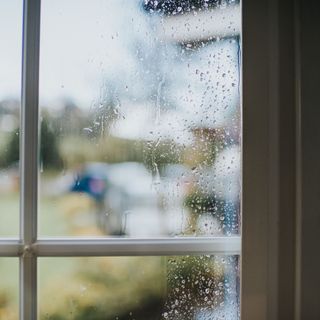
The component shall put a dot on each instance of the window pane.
(140, 108)
(10, 87)
(186, 287)
(9, 288)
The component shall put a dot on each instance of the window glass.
(140, 118)
(10, 87)
(184, 287)
(9, 288)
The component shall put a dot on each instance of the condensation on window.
(140, 118)
(140, 288)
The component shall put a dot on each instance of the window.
(148, 165)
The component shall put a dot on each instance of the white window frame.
(29, 247)
(275, 245)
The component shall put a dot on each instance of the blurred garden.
(139, 137)
(111, 288)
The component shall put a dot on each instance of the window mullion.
(137, 247)
(29, 158)
(10, 247)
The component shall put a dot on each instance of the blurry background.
(139, 136)
(144, 288)
(139, 118)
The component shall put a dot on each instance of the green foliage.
(156, 155)
(144, 288)
(49, 149)
(79, 149)
(199, 202)
(49, 152)
(108, 289)
(11, 154)
(196, 282)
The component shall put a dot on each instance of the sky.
(92, 51)
(10, 48)
(75, 36)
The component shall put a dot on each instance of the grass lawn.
(52, 222)
(97, 288)
(9, 215)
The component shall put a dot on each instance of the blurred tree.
(11, 153)
(49, 151)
